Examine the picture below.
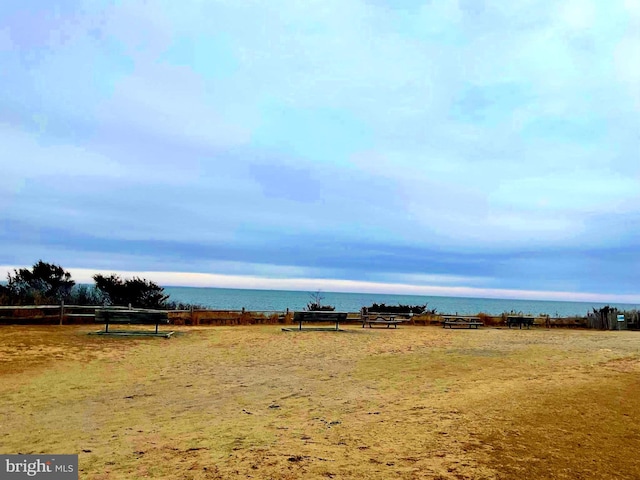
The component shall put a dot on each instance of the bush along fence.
(85, 314)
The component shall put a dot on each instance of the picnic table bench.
(380, 319)
(319, 317)
(461, 321)
(520, 321)
(132, 317)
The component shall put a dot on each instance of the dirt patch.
(256, 402)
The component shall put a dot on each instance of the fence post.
(61, 310)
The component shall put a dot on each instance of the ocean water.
(264, 300)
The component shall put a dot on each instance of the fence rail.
(77, 314)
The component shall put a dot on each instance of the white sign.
(621, 318)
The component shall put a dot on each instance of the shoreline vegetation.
(46, 294)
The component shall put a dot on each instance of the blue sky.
(468, 147)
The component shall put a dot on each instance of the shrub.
(316, 303)
(415, 309)
(173, 305)
(85, 295)
(137, 292)
(489, 320)
(44, 283)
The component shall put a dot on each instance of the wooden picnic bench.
(319, 317)
(110, 316)
(520, 321)
(380, 319)
(461, 321)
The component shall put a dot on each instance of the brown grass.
(256, 402)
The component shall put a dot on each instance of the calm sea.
(262, 300)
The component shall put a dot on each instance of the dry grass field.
(256, 402)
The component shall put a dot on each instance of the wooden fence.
(610, 320)
(85, 314)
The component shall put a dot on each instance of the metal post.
(61, 310)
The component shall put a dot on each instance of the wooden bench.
(520, 321)
(458, 322)
(132, 317)
(319, 317)
(380, 319)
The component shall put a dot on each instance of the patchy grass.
(256, 402)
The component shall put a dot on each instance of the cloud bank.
(446, 145)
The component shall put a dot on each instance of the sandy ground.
(256, 402)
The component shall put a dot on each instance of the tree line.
(47, 283)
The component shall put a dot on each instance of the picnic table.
(319, 317)
(380, 319)
(461, 321)
(520, 321)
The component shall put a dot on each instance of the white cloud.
(178, 107)
(577, 192)
(577, 14)
(28, 156)
(627, 66)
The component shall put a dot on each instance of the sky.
(454, 147)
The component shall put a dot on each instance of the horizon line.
(251, 282)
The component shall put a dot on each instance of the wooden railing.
(84, 314)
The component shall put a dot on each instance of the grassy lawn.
(256, 402)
